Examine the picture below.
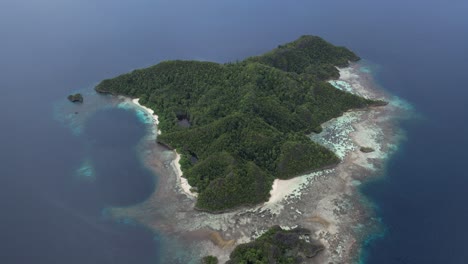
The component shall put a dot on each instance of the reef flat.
(326, 202)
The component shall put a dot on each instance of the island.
(277, 246)
(239, 126)
(75, 98)
(254, 154)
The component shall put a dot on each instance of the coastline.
(150, 112)
(181, 180)
(327, 202)
(175, 164)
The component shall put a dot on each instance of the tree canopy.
(277, 246)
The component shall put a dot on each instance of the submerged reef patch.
(86, 171)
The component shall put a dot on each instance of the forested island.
(274, 246)
(238, 126)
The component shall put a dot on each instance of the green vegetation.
(308, 55)
(209, 260)
(248, 120)
(75, 98)
(277, 246)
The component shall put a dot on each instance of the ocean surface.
(57, 176)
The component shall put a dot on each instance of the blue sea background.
(55, 182)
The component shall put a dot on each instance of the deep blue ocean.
(53, 204)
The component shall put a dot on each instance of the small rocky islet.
(75, 98)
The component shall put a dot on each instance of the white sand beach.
(182, 181)
(175, 164)
(149, 111)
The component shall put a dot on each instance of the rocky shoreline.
(327, 202)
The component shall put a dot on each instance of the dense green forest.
(277, 246)
(249, 120)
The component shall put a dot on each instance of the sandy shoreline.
(182, 181)
(148, 111)
(175, 164)
(327, 202)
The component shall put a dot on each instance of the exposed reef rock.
(366, 149)
(378, 103)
